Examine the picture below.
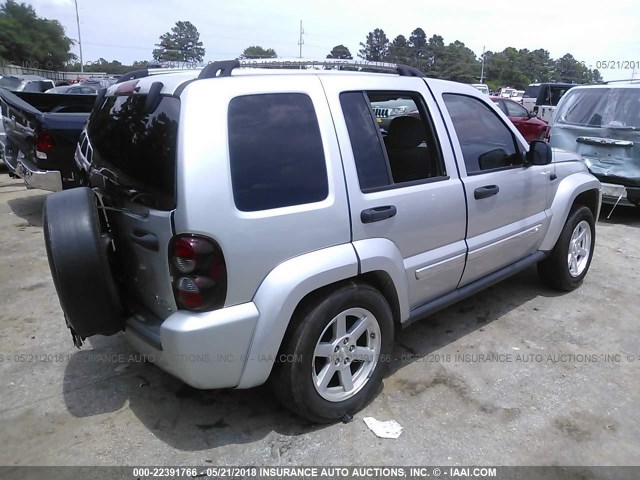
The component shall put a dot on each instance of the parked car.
(482, 87)
(531, 127)
(602, 124)
(516, 96)
(42, 131)
(80, 89)
(387, 107)
(506, 92)
(542, 98)
(288, 245)
(25, 83)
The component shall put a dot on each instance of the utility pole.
(300, 40)
(482, 70)
(79, 38)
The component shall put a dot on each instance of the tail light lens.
(44, 144)
(199, 273)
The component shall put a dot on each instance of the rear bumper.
(205, 350)
(612, 193)
(33, 177)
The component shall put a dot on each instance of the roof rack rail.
(628, 80)
(225, 67)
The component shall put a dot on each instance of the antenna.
(300, 40)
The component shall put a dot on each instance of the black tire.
(293, 380)
(77, 248)
(554, 270)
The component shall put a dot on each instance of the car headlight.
(397, 111)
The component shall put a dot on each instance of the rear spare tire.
(78, 248)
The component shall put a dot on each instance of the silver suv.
(244, 225)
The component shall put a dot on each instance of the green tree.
(181, 44)
(27, 39)
(400, 51)
(376, 47)
(418, 44)
(255, 51)
(340, 51)
(459, 63)
(435, 54)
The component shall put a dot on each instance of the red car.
(530, 126)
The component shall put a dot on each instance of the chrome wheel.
(579, 249)
(346, 354)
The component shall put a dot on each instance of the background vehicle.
(482, 87)
(380, 232)
(531, 127)
(602, 124)
(505, 92)
(41, 133)
(388, 107)
(26, 83)
(516, 96)
(542, 98)
(79, 89)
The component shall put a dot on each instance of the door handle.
(486, 191)
(145, 239)
(376, 214)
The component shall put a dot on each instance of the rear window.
(531, 91)
(601, 107)
(138, 146)
(10, 83)
(275, 149)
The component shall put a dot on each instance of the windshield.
(138, 146)
(10, 83)
(601, 107)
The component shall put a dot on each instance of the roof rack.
(225, 67)
(628, 80)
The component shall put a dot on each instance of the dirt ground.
(563, 387)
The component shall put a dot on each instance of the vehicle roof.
(608, 85)
(562, 84)
(28, 77)
(172, 79)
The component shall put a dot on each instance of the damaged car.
(602, 124)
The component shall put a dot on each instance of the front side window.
(485, 141)
(391, 137)
(515, 110)
(275, 149)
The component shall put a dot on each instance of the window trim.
(424, 114)
(519, 151)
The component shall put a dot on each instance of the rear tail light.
(44, 144)
(199, 273)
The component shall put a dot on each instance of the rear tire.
(569, 261)
(78, 247)
(335, 354)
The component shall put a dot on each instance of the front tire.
(569, 261)
(335, 354)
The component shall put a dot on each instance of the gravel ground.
(563, 388)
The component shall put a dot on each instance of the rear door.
(402, 181)
(506, 201)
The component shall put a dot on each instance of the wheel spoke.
(574, 263)
(364, 354)
(583, 252)
(341, 326)
(346, 379)
(325, 375)
(358, 328)
(581, 235)
(324, 350)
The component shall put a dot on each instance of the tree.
(400, 51)
(181, 44)
(418, 44)
(255, 51)
(340, 51)
(29, 40)
(376, 47)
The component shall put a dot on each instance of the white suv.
(251, 225)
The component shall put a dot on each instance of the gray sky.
(126, 30)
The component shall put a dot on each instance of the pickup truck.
(245, 226)
(41, 132)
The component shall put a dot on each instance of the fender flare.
(568, 190)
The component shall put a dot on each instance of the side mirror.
(539, 153)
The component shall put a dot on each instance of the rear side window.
(531, 91)
(275, 149)
(138, 145)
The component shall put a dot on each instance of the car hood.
(611, 154)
